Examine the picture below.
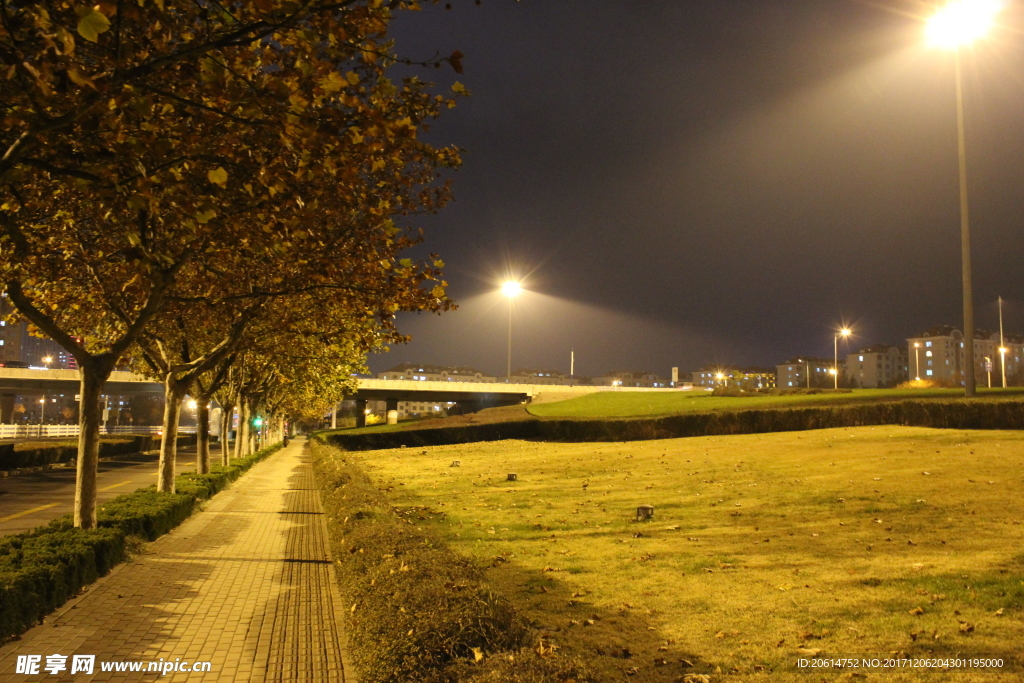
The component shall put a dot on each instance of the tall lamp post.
(845, 332)
(511, 290)
(1002, 344)
(917, 361)
(958, 24)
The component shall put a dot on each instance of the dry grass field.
(763, 548)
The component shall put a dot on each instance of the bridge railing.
(57, 431)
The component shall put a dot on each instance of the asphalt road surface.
(30, 500)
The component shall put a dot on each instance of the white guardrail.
(56, 431)
(503, 387)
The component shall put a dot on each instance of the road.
(30, 500)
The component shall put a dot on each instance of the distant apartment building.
(528, 376)
(747, 379)
(19, 347)
(880, 365)
(435, 373)
(632, 379)
(807, 372)
(938, 355)
(428, 373)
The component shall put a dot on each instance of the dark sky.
(681, 182)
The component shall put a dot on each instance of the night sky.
(680, 183)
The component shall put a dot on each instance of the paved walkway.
(246, 585)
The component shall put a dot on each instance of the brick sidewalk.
(246, 584)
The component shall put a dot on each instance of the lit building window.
(928, 353)
(928, 372)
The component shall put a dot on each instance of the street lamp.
(47, 360)
(42, 414)
(1002, 363)
(917, 361)
(845, 332)
(957, 25)
(720, 377)
(511, 290)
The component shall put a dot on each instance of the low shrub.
(41, 569)
(417, 611)
(950, 414)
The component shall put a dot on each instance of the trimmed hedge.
(959, 414)
(418, 611)
(41, 569)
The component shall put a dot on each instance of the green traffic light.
(257, 422)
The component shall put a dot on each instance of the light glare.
(962, 22)
(511, 289)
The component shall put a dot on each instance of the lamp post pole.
(835, 362)
(845, 332)
(1002, 345)
(960, 23)
(965, 238)
(511, 290)
(917, 361)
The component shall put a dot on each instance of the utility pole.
(1002, 348)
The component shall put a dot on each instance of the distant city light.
(962, 22)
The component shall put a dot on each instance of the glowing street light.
(47, 360)
(957, 25)
(917, 361)
(42, 412)
(962, 22)
(845, 332)
(511, 290)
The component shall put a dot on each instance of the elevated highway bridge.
(469, 395)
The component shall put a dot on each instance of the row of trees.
(216, 193)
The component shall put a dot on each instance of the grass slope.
(608, 404)
(849, 541)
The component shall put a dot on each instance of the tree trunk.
(225, 433)
(242, 442)
(202, 435)
(90, 417)
(174, 393)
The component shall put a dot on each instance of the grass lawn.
(872, 540)
(606, 404)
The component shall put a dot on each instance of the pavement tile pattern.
(246, 584)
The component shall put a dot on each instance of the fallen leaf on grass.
(917, 611)
(999, 612)
(966, 627)
(696, 678)
(810, 651)
(478, 654)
